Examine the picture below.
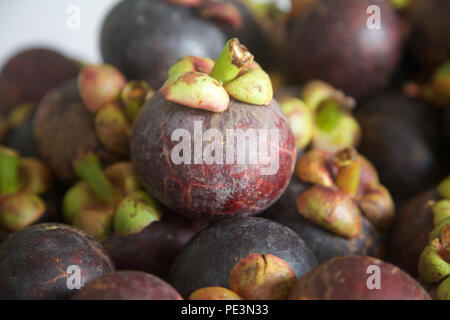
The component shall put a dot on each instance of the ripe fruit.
(208, 259)
(355, 278)
(127, 285)
(243, 153)
(34, 263)
(333, 36)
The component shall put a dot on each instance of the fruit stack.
(232, 150)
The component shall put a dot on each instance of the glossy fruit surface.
(334, 36)
(209, 257)
(40, 261)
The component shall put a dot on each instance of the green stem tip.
(89, 169)
(9, 171)
(230, 62)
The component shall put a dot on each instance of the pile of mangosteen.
(232, 150)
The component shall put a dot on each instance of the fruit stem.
(349, 164)
(9, 171)
(230, 62)
(89, 169)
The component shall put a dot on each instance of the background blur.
(27, 23)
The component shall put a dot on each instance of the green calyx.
(89, 169)
(300, 119)
(252, 86)
(34, 176)
(328, 116)
(400, 4)
(128, 211)
(76, 199)
(441, 211)
(444, 188)
(432, 266)
(113, 128)
(133, 96)
(443, 290)
(438, 228)
(9, 165)
(316, 92)
(332, 210)
(17, 211)
(202, 84)
(135, 212)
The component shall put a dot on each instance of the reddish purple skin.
(429, 41)
(33, 262)
(410, 232)
(127, 285)
(30, 74)
(213, 191)
(64, 129)
(332, 42)
(345, 278)
(155, 248)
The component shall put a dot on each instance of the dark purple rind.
(323, 243)
(155, 248)
(30, 74)
(21, 139)
(64, 130)
(209, 257)
(213, 191)
(143, 38)
(429, 40)
(127, 285)
(34, 262)
(332, 42)
(347, 278)
(401, 137)
(410, 233)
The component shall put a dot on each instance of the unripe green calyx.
(441, 211)
(200, 83)
(300, 119)
(135, 212)
(21, 181)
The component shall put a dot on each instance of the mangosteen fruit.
(44, 261)
(155, 248)
(428, 41)
(225, 254)
(137, 232)
(401, 136)
(144, 38)
(358, 36)
(362, 212)
(127, 285)
(65, 130)
(212, 143)
(30, 74)
(25, 195)
(357, 278)
(419, 221)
